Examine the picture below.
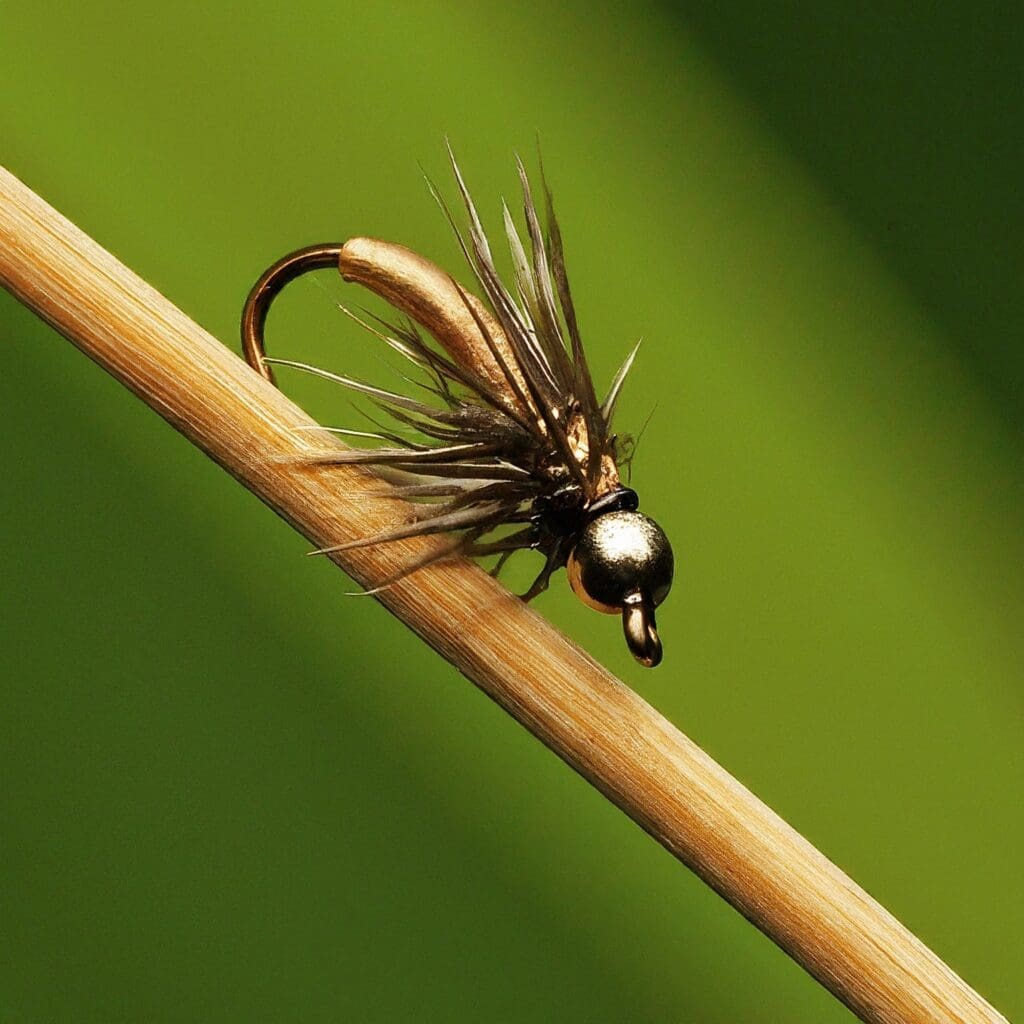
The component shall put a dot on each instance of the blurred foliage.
(909, 116)
(232, 793)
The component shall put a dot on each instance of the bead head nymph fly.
(513, 450)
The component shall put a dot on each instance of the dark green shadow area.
(910, 117)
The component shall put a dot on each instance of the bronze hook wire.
(265, 290)
(641, 630)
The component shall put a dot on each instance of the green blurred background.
(813, 215)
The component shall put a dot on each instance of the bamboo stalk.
(600, 727)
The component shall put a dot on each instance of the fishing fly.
(516, 452)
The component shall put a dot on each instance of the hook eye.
(640, 629)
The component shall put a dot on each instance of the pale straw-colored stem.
(598, 725)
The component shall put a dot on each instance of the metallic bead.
(618, 554)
